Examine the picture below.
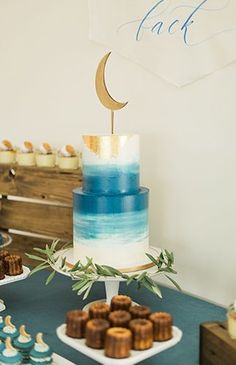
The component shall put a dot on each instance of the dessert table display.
(110, 215)
(44, 308)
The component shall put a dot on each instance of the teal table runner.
(42, 309)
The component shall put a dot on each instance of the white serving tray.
(12, 279)
(59, 360)
(136, 356)
(7, 240)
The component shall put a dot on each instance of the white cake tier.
(113, 254)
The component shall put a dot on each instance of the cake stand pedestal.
(111, 283)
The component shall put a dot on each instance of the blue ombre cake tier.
(111, 179)
(112, 229)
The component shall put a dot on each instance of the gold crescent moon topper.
(103, 94)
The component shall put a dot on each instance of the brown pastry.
(118, 342)
(2, 270)
(99, 310)
(140, 311)
(3, 255)
(120, 302)
(142, 330)
(13, 265)
(119, 319)
(162, 326)
(75, 323)
(95, 332)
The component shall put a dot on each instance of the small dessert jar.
(68, 158)
(26, 155)
(231, 315)
(45, 156)
(7, 152)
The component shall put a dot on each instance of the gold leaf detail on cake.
(105, 147)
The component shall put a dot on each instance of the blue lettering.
(145, 18)
(157, 27)
(188, 22)
(172, 25)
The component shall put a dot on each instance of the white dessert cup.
(7, 157)
(45, 160)
(25, 159)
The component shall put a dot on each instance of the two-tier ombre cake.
(111, 210)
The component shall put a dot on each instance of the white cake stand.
(111, 284)
(136, 356)
(13, 279)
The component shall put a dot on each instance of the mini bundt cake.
(162, 326)
(140, 311)
(13, 265)
(142, 330)
(75, 323)
(118, 342)
(120, 302)
(119, 319)
(2, 270)
(99, 310)
(3, 255)
(95, 332)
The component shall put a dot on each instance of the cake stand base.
(111, 283)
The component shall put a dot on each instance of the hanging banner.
(179, 40)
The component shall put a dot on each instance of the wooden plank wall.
(37, 201)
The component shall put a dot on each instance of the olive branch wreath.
(87, 274)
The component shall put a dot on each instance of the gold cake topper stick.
(103, 94)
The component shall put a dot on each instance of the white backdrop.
(47, 69)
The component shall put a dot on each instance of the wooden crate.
(216, 346)
(37, 201)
